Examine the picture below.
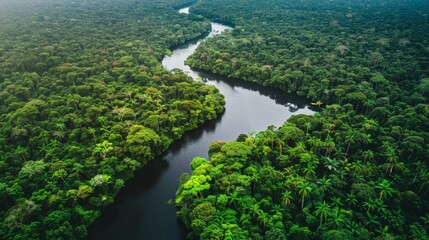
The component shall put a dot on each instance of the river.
(140, 210)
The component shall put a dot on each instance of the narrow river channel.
(140, 210)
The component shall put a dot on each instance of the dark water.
(141, 211)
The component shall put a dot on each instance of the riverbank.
(141, 211)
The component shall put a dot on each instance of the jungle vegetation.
(358, 169)
(85, 102)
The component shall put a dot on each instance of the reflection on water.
(141, 210)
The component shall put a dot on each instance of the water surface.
(141, 211)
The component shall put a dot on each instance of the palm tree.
(279, 186)
(317, 103)
(255, 210)
(60, 126)
(358, 178)
(322, 210)
(390, 154)
(336, 201)
(368, 168)
(330, 146)
(59, 135)
(351, 199)
(370, 204)
(368, 155)
(233, 197)
(287, 197)
(309, 170)
(424, 178)
(300, 147)
(324, 183)
(420, 167)
(385, 189)
(271, 134)
(330, 127)
(102, 120)
(367, 138)
(371, 221)
(331, 164)
(304, 190)
(350, 138)
(254, 178)
(308, 126)
(172, 119)
(22, 151)
(369, 103)
(92, 131)
(356, 166)
(263, 218)
(380, 206)
(384, 233)
(417, 231)
(276, 208)
(281, 142)
(315, 142)
(337, 218)
(353, 227)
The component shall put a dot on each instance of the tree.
(287, 197)
(204, 211)
(263, 218)
(350, 138)
(324, 184)
(141, 141)
(372, 221)
(337, 218)
(337, 234)
(100, 180)
(191, 188)
(304, 190)
(331, 164)
(351, 199)
(385, 189)
(423, 87)
(84, 191)
(32, 168)
(342, 49)
(322, 210)
(370, 204)
(233, 198)
(255, 210)
(103, 148)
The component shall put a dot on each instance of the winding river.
(141, 210)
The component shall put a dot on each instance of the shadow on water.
(194, 135)
(149, 175)
(293, 101)
(145, 180)
(140, 210)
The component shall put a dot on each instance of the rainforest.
(86, 104)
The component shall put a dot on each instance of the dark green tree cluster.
(84, 102)
(356, 170)
(316, 177)
(321, 49)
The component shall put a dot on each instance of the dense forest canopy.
(356, 170)
(84, 102)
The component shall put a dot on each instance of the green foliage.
(141, 142)
(197, 162)
(358, 169)
(85, 102)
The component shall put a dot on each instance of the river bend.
(140, 210)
